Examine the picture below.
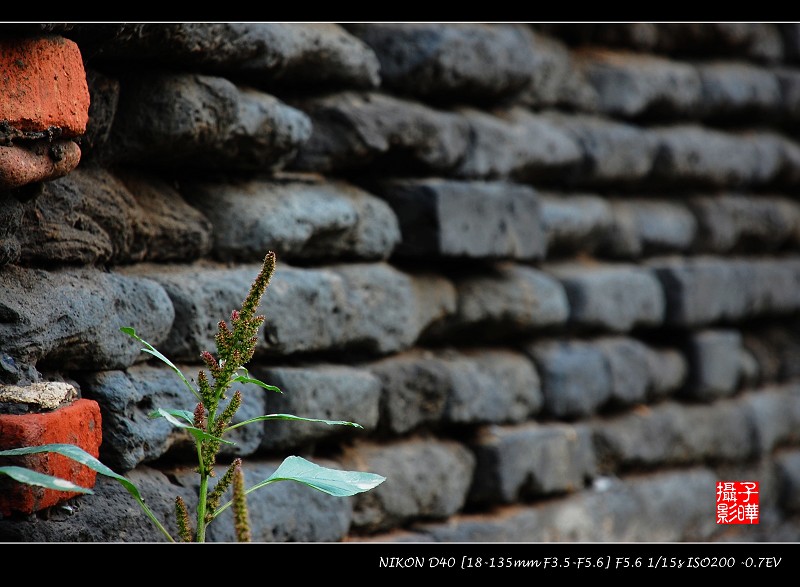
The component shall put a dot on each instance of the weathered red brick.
(43, 84)
(77, 423)
(41, 161)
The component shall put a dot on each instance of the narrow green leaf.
(243, 379)
(185, 414)
(31, 477)
(196, 432)
(295, 418)
(150, 349)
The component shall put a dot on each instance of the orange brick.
(78, 423)
(43, 84)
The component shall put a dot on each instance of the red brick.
(78, 423)
(43, 84)
(41, 161)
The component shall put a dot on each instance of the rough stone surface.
(298, 218)
(644, 227)
(424, 388)
(104, 95)
(629, 367)
(269, 54)
(91, 217)
(59, 106)
(424, 480)
(738, 90)
(40, 161)
(517, 144)
(574, 223)
(507, 299)
(744, 222)
(202, 122)
(361, 307)
(615, 297)
(71, 318)
(328, 392)
(494, 220)
(127, 398)
(77, 423)
(714, 364)
(44, 395)
(530, 460)
(460, 63)
(613, 153)
(366, 130)
(789, 472)
(576, 377)
(631, 85)
(705, 290)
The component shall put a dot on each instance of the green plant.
(208, 423)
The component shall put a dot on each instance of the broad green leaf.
(295, 418)
(196, 432)
(153, 351)
(76, 453)
(331, 481)
(31, 477)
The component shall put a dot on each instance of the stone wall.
(553, 270)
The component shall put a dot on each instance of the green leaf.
(331, 481)
(76, 453)
(31, 477)
(295, 418)
(185, 414)
(153, 351)
(243, 379)
(194, 431)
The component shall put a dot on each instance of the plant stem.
(201, 507)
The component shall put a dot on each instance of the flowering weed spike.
(240, 517)
(182, 518)
(219, 489)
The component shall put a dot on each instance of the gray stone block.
(738, 89)
(672, 434)
(91, 217)
(643, 227)
(425, 479)
(613, 152)
(357, 130)
(630, 84)
(705, 290)
(789, 84)
(445, 218)
(774, 348)
(629, 367)
(691, 155)
(457, 62)
(506, 299)
(774, 411)
(327, 392)
(427, 389)
(576, 380)
(261, 53)
(669, 369)
(555, 81)
(131, 437)
(203, 122)
(746, 223)
(759, 41)
(70, 318)
(789, 474)
(11, 212)
(713, 364)
(103, 99)
(574, 222)
(360, 307)
(297, 217)
(659, 506)
(614, 297)
(514, 463)
(517, 144)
